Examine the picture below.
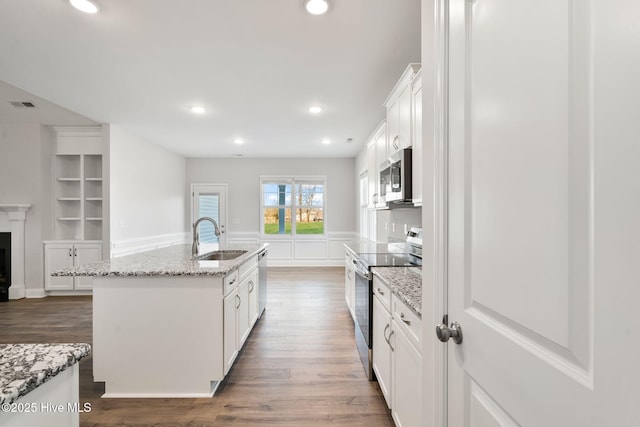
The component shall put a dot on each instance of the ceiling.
(255, 65)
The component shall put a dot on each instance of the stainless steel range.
(408, 254)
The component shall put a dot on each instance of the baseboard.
(17, 291)
(36, 293)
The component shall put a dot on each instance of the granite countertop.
(170, 261)
(406, 283)
(24, 367)
(364, 246)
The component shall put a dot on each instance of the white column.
(16, 214)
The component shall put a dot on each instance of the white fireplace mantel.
(12, 219)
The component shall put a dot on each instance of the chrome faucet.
(196, 237)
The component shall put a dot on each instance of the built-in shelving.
(78, 184)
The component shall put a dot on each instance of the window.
(293, 205)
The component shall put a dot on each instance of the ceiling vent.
(23, 104)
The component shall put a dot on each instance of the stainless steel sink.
(223, 255)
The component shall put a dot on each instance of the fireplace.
(5, 265)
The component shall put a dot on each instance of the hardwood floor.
(299, 367)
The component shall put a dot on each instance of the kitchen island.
(39, 384)
(168, 325)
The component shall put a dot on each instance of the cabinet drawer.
(408, 321)
(248, 266)
(383, 291)
(230, 282)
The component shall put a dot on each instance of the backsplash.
(393, 224)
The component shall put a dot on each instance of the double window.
(293, 205)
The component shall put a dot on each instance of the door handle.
(445, 332)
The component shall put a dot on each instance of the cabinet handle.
(75, 251)
(349, 274)
(384, 333)
(380, 291)
(408, 322)
(239, 301)
(389, 341)
(70, 253)
(252, 286)
(396, 145)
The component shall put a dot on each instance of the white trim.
(38, 293)
(142, 244)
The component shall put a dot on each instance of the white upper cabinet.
(399, 112)
(376, 154)
(416, 114)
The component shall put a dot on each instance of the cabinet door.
(86, 253)
(243, 313)
(381, 350)
(393, 126)
(253, 298)
(230, 329)
(407, 381)
(349, 284)
(372, 175)
(58, 256)
(404, 119)
(416, 170)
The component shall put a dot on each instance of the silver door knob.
(444, 332)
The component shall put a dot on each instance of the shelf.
(68, 199)
(69, 219)
(69, 179)
(94, 179)
(93, 199)
(93, 218)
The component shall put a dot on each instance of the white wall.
(25, 174)
(243, 179)
(147, 194)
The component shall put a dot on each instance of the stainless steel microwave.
(395, 177)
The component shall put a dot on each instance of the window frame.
(293, 180)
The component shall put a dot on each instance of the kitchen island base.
(158, 336)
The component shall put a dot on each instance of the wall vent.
(23, 104)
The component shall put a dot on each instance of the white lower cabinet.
(62, 255)
(240, 309)
(406, 387)
(381, 350)
(397, 362)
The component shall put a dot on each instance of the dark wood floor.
(299, 367)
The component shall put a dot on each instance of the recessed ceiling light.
(315, 109)
(326, 141)
(87, 6)
(197, 109)
(238, 141)
(316, 7)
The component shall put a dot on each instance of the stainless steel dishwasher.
(262, 281)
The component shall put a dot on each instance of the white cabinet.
(376, 154)
(399, 115)
(62, 255)
(397, 362)
(381, 349)
(241, 289)
(230, 332)
(416, 112)
(350, 284)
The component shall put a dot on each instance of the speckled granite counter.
(170, 261)
(405, 282)
(24, 367)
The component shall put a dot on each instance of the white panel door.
(86, 253)
(543, 212)
(210, 200)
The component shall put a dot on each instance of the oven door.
(363, 309)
